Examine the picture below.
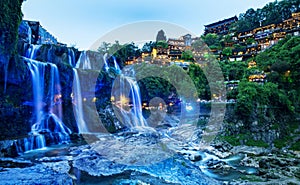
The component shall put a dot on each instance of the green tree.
(239, 47)
(113, 48)
(279, 97)
(233, 70)
(121, 52)
(250, 41)
(248, 20)
(162, 44)
(187, 55)
(165, 81)
(282, 63)
(198, 77)
(148, 46)
(211, 39)
(273, 12)
(227, 51)
(11, 17)
(104, 47)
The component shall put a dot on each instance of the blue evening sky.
(82, 22)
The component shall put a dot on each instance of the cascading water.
(47, 109)
(84, 61)
(32, 51)
(54, 93)
(139, 120)
(54, 127)
(29, 34)
(35, 140)
(47, 112)
(37, 70)
(106, 67)
(126, 93)
(77, 104)
(85, 64)
(128, 90)
(117, 67)
(71, 57)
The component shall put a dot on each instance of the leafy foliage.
(233, 70)
(283, 65)
(162, 44)
(212, 40)
(11, 17)
(227, 51)
(121, 52)
(148, 46)
(198, 77)
(262, 100)
(273, 12)
(163, 82)
(187, 55)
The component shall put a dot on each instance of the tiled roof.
(231, 19)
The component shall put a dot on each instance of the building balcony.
(262, 36)
(245, 36)
(293, 30)
(252, 45)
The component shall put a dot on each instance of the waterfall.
(29, 34)
(127, 98)
(37, 70)
(52, 125)
(77, 104)
(31, 143)
(85, 64)
(32, 51)
(47, 109)
(89, 62)
(117, 67)
(71, 57)
(54, 93)
(139, 119)
(106, 67)
(84, 61)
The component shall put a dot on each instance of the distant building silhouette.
(220, 27)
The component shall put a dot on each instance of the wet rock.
(8, 148)
(191, 154)
(195, 158)
(222, 146)
(212, 163)
(38, 174)
(250, 162)
(74, 151)
(60, 167)
(14, 121)
(251, 150)
(264, 164)
(138, 153)
(272, 176)
(110, 119)
(96, 165)
(14, 163)
(55, 159)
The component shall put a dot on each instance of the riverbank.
(151, 158)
